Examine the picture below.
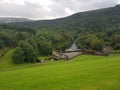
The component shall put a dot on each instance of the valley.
(77, 52)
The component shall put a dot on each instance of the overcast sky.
(50, 9)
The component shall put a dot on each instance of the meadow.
(85, 72)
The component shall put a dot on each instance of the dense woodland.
(92, 30)
(30, 43)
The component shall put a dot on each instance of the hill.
(9, 20)
(106, 18)
(84, 72)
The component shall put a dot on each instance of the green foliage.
(62, 39)
(117, 46)
(116, 41)
(90, 41)
(97, 44)
(44, 47)
(18, 28)
(18, 56)
(26, 29)
(33, 43)
(22, 36)
(56, 40)
(1, 44)
(29, 53)
(7, 40)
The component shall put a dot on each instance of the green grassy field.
(7, 64)
(84, 72)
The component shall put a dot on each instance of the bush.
(18, 56)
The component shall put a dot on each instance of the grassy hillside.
(7, 64)
(82, 73)
(5, 61)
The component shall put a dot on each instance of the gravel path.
(72, 54)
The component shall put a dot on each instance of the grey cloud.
(56, 9)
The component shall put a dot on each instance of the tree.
(58, 39)
(29, 53)
(26, 29)
(97, 45)
(90, 41)
(116, 41)
(45, 48)
(18, 56)
(1, 44)
(6, 39)
(33, 43)
(117, 46)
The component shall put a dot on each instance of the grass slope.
(5, 61)
(7, 64)
(82, 73)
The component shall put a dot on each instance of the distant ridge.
(12, 19)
